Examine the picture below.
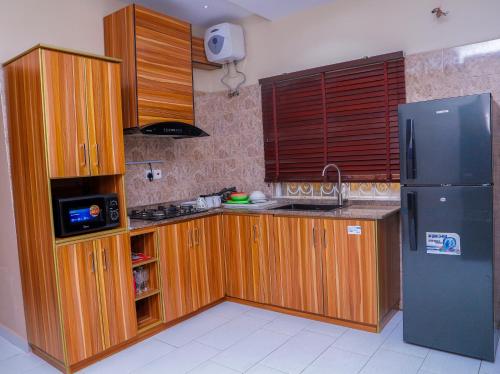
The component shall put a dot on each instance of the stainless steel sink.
(313, 207)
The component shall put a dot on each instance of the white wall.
(348, 29)
(75, 24)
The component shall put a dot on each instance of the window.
(344, 113)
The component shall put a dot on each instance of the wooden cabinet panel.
(208, 260)
(350, 271)
(104, 118)
(117, 292)
(175, 241)
(65, 117)
(164, 68)
(77, 269)
(298, 255)
(199, 56)
(246, 239)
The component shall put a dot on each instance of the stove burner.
(161, 212)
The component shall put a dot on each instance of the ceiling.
(217, 11)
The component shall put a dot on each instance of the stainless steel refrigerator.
(447, 225)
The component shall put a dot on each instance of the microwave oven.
(84, 214)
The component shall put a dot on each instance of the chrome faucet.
(339, 183)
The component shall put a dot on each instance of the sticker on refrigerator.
(354, 230)
(443, 243)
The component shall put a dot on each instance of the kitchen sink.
(316, 207)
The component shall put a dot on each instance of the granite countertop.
(354, 209)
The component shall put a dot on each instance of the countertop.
(354, 209)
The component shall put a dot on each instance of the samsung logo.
(442, 111)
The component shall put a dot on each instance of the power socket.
(156, 174)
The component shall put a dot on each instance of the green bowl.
(239, 197)
(247, 201)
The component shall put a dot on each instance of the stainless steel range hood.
(175, 130)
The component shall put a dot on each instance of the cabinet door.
(350, 268)
(206, 261)
(64, 109)
(247, 257)
(104, 117)
(175, 242)
(117, 289)
(77, 269)
(298, 260)
(164, 68)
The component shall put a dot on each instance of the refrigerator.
(447, 225)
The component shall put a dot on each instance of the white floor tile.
(180, 361)
(365, 343)
(44, 369)
(8, 350)
(390, 362)
(247, 352)
(298, 352)
(337, 361)
(326, 328)
(227, 310)
(395, 343)
(131, 358)
(445, 363)
(185, 332)
(287, 324)
(491, 367)
(262, 369)
(210, 367)
(226, 335)
(267, 315)
(20, 363)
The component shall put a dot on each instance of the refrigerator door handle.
(412, 219)
(410, 150)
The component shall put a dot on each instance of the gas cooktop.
(162, 212)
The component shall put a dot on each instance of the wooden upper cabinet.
(83, 117)
(82, 324)
(157, 69)
(350, 270)
(104, 117)
(199, 56)
(298, 257)
(247, 240)
(65, 114)
(117, 300)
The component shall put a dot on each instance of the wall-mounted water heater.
(224, 43)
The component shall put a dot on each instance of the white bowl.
(257, 195)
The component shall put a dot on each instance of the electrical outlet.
(156, 174)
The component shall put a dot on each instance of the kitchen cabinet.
(247, 240)
(298, 258)
(97, 298)
(156, 72)
(82, 108)
(350, 270)
(199, 56)
(191, 262)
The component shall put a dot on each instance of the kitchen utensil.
(238, 202)
(239, 196)
(217, 201)
(257, 195)
(201, 203)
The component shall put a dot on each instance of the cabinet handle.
(98, 163)
(196, 236)
(255, 232)
(190, 238)
(105, 259)
(92, 265)
(314, 237)
(84, 147)
(324, 238)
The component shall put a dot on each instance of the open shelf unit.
(148, 304)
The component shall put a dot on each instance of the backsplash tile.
(353, 191)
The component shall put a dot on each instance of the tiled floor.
(232, 338)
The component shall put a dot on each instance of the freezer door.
(446, 141)
(448, 269)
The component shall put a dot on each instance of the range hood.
(175, 130)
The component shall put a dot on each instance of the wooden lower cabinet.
(191, 265)
(247, 240)
(350, 270)
(298, 258)
(97, 299)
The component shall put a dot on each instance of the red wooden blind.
(344, 113)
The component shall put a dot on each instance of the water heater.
(224, 43)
